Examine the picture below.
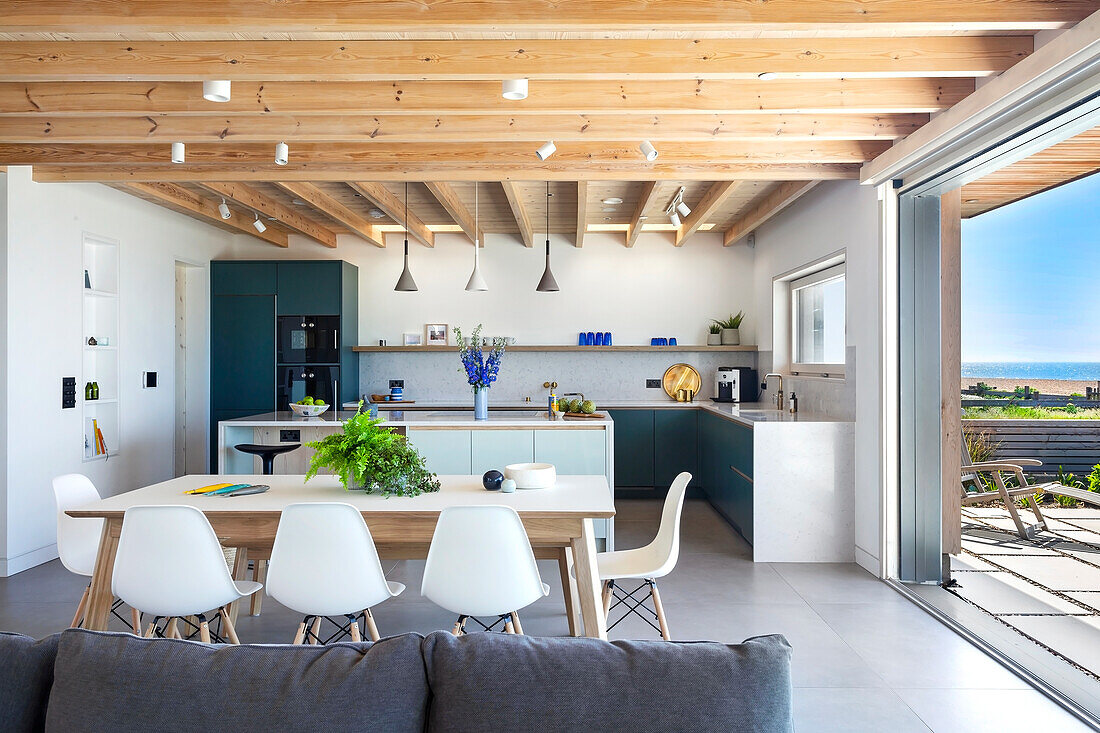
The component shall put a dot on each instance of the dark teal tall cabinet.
(246, 297)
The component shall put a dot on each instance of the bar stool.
(267, 453)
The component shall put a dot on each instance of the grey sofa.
(88, 681)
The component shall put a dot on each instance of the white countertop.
(444, 418)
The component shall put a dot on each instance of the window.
(818, 323)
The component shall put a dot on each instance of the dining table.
(558, 521)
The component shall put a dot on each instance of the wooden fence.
(1072, 444)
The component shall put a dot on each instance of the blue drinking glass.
(653, 341)
(590, 339)
(606, 338)
(672, 341)
(599, 338)
(580, 339)
(662, 342)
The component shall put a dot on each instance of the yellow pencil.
(207, 489)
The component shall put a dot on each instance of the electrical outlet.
(397, 383)
(653, 384)
(290, 436)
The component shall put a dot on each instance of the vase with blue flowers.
(481, 371)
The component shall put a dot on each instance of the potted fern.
(729, 328)
(714, 337)
(367, 457)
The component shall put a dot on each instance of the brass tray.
(681, 376)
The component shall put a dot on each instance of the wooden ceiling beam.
(531, 16)
(463, 171)
(772, 204)
(519, 211)
(582, 213)
(189, 203)
(745, 127)
(249, 197)
(319, 156)
(458, 60)
(449, 200)
(434, 98)
(712, 199)
(395, 209)
(650, 191)
(334, 209)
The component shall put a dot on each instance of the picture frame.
(436, 334)
(412, 339)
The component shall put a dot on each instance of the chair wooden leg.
(608, 586)
(150, 630)
(259, 574)
(204, 632)
(135, 620)
(1035, 510)
(508, 627)
(355, 634)
(240, 572)
(372, 628)
(173, 629)
(660, 611)
(227, 626)
(516, 625)
(460, 626)
(79, 615)
(315, 632)
(300, 634)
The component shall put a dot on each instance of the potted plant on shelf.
(729, 328)
(714, 337)
(481, 371)
(372, 458)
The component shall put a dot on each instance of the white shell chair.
(324, 564)
(78, 538)
(480, 563)
(170, 564)
(655, 560)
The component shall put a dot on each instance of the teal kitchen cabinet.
(243, 278)
(676, 443)
(445, 451)
(310, 287)
(573, 452)
(633, 448)
(726, 465)
(495, 449)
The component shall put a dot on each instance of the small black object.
(290, 436)
(68, 392)
(267, 453)
(492, 480)
(92, 341)
(150, 380)
(397, 383)
(653, 384)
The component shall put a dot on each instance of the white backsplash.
(437, 377)
(833, 397)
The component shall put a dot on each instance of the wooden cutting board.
(582, 415)
(381, 399)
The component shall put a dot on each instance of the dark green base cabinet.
(725, 459)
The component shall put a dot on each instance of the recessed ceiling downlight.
(377, 214)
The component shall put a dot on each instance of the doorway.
(190, 418)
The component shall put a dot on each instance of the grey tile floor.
(865, 659)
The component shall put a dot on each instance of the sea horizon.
(1077, 371)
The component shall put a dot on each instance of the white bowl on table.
(532, 475)
(307, 410)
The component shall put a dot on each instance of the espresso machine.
(735, 384)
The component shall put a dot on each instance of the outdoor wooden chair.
(976, 491)
(1053, 487)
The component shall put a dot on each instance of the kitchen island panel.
(445, 451)
(495, 449)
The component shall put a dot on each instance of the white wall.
(832, 216)
(43, 276)
(4, 270)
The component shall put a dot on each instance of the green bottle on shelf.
(87, 390)
(95, 390)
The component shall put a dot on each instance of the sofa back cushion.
(26, 673)
(488, 682)
(119, 682)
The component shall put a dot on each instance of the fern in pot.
(729, 329)
(367, 457)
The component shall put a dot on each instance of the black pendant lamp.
(405, 283)
(547, 284)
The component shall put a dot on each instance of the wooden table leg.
(240, 572)
(569, 590)
(100, 597)
(588, 583)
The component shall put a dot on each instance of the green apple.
(319, 402)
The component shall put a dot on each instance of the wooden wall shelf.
(683, 348)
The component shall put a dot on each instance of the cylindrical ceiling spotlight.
(648, 150)
(259, 225)
(282, 153)
(223, 209)
(675, 219)
(683, 208)
(178, 155)
(216, 91)
(546, 150)
(514, 89)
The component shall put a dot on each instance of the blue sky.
(1031, 278)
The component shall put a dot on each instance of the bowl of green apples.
(309, 407)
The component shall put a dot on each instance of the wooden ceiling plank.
(650, 191)
(519, 211)
(253, 199)
(536, 59)
(473, 16)
(395, 209)
(293, 129)
(434, 98)
(582, 213)
(190, 204)
(465, 171)
(329, 206)
(771, 205)
(711, 201)
(450, 201)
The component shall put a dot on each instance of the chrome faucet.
(574, 394)
(779, 394)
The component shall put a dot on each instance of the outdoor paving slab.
(1072, 636)
(963, 563)
(1082, 552)
(1056, 573)
(1000, 593)
(992, 542)
(1089, 597)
